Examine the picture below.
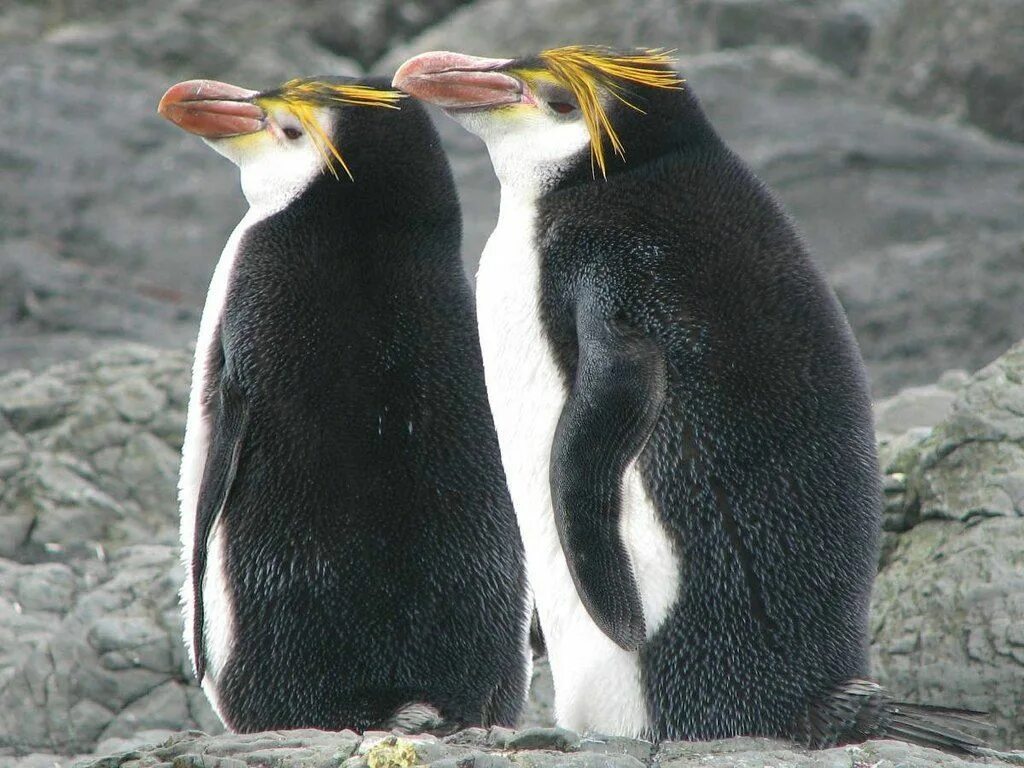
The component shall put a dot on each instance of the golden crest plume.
(303, 96)
(588, 70)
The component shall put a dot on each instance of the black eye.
(562, 107)
(292, 133)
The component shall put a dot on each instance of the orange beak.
(212, 110)
(456, 81)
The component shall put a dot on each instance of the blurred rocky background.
(892, 129)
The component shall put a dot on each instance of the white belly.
(597, 684)
(218, 611)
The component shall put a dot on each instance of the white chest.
(597, 684)
(217, 601)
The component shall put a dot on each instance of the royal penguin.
(682, 409)
(352, 556)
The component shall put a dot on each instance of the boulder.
(90, 635)
(116, 218)
(948, 606)
(90, 631)
(961, 59)
(500, 748)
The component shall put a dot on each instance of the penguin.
(351, 552)
(682, 409)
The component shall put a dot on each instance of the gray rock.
(836, 31)
(90, 635)
(893, 289)
(116, 218)
(973, 463)
(949, 599)
(85, 469)
(539, 709)
(558, 739)
(316, 748)
(108, 667)
(963, 59)
(63, 310)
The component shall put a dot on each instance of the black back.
(372, 548)
(761, 462)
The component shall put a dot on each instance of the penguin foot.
(859, 710)
(420, 717)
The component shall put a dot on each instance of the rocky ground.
(91, 658)
(892, 130)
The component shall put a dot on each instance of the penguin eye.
(561, 107)
(291, 133)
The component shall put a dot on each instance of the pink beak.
(212, 110)
(457, 81)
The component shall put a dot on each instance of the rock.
(90, 634)
(953, 58)
(558, 739)
(949, 599)
(115, 218)
(64, 309)
(837, 31)
(365, 31)
(89, 612)
(87, 468)
(316, 748)
(892, 289)
(972, 465)
(108, 666)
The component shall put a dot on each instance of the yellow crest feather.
(302, 97)
(588, 70)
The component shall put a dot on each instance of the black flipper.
(229, 415)
(859, 710)
(610, 414)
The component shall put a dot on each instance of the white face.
(281, 160)
(529, 143)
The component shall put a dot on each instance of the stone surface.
(90, 647)
(114, 218)
(91, 656)
(889, 290)
(315, 748)
(948, 603)
(953, 58)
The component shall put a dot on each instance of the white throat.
(270, 183)
(528, 152)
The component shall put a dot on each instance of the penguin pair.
(682, 410)
(352, 557)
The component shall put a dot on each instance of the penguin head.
(578, 112)
(286, 138)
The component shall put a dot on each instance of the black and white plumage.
(682, 409)
(351, 552)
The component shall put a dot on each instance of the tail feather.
(859, 710)
(931, 726)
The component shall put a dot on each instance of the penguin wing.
(229, 414)
(607, 419)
